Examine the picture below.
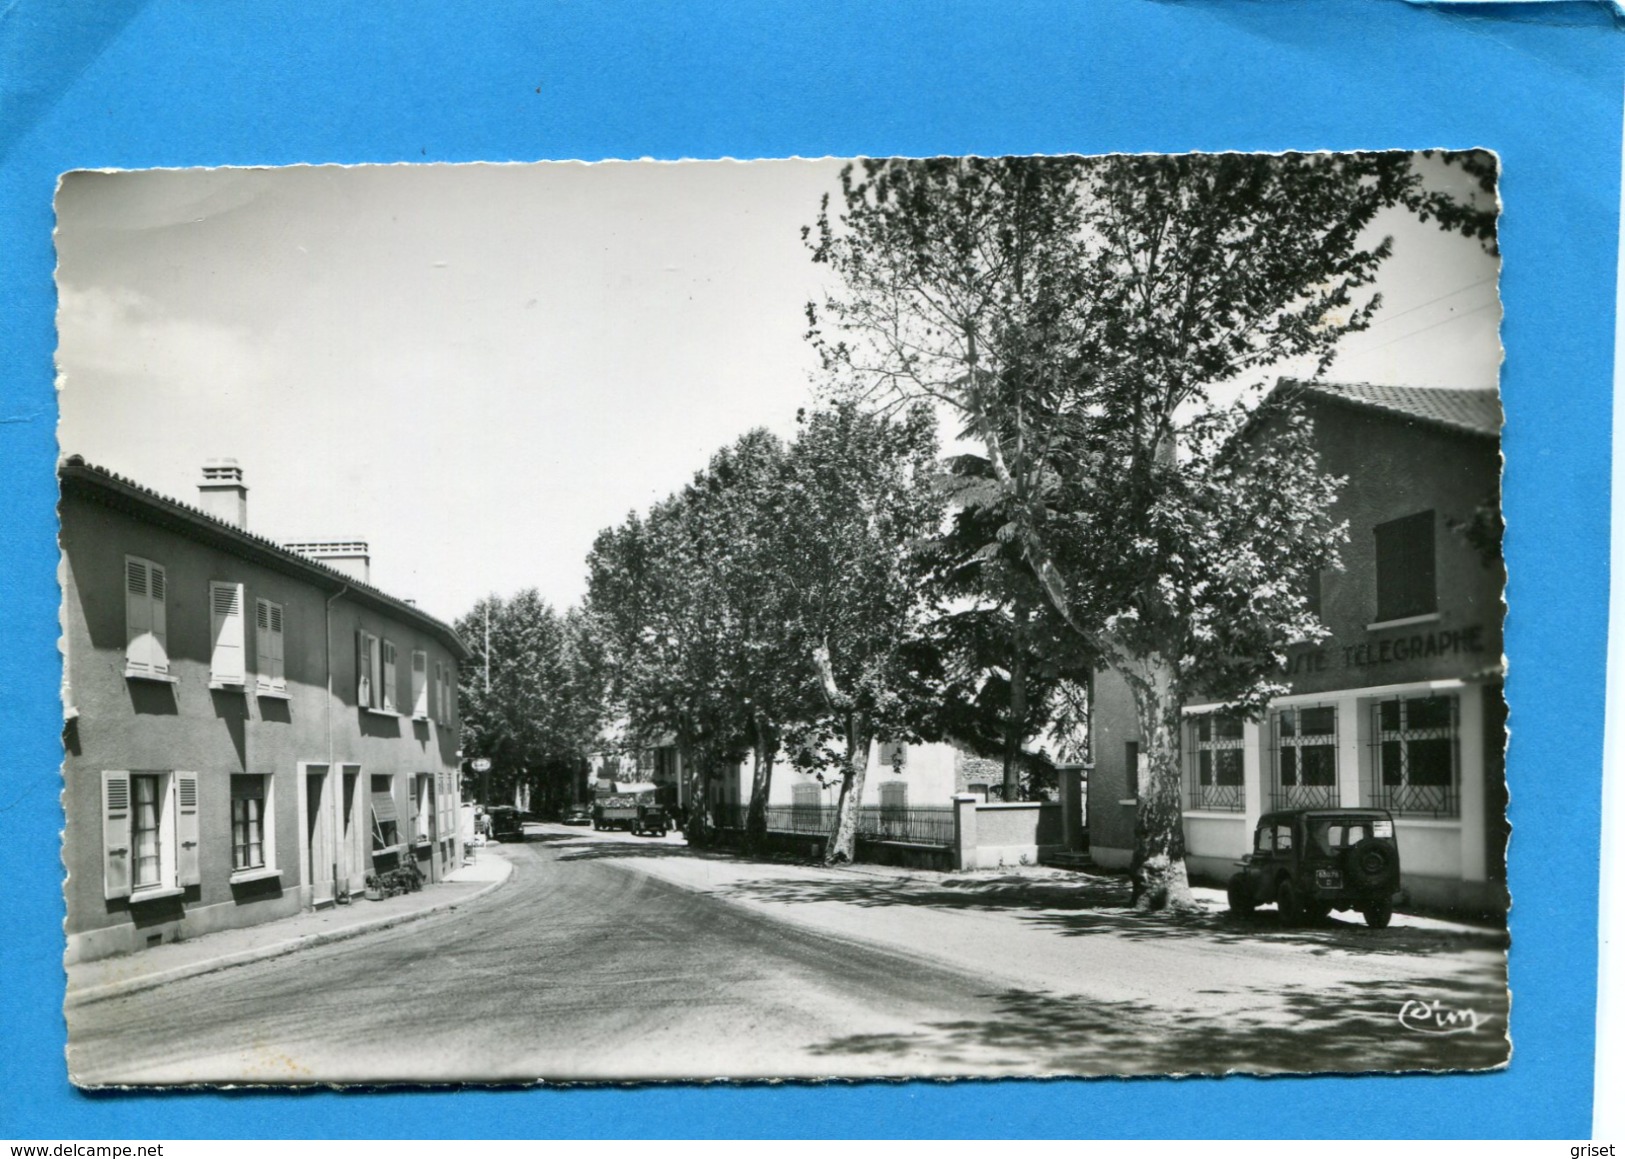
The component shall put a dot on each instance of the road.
(611, 957)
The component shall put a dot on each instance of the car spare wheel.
(1369, 863)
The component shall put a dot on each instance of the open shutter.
(363, 668)
(227, 663)
(159, 648)
(137, 617)
(420, 685)
(187, 871)
(389, 684)
(262, 644)
(116, 834)
(279, 677)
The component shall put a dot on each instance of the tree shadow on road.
(1092, 905)
(1348, 1029)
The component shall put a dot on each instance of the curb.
(274, 950)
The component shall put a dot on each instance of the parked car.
(577, 815)
(506, 823)
(1312, 861)
(650, 820)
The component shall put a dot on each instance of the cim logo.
(1436, 1018)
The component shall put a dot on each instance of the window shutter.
(262, 643)
(115, 834)
(363, 669)
(137, 617)
(389, 680)
(187, 871)
(279, 676)
(227, 662)
(159, 651)
(420, 685)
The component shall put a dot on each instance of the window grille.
(1417, 755)
(1304, 745)
(1217, 762)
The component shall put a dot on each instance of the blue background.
(98, 83)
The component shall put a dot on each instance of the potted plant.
(375, 887)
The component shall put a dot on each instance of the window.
(893, 754)
(420, 686)
(1305, 744)
(1417, 754)
(251, 845)
(146, 652)
(389, 684)
(227, 666)
(1131, 769)
(1405, 568)
(386, 831)
(366, 651)
(272, 679)
(423, 807)
(1217, 762)
(894, 796)
(149, 833)
(145, 831)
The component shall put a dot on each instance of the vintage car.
(650, 820)
(577, 815)
(506, 823)
(1312, 861)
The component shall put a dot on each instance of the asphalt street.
(592, 964)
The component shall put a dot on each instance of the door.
(319, 838)
(350, 864)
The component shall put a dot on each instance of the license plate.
(1329, 878)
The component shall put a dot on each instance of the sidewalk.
(129, 973)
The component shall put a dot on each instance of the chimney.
(350, 556)
(221, 492)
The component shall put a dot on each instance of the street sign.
(481, 765)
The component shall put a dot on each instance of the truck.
(636, 814)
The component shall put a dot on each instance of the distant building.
(1401, 708)
(249, 731)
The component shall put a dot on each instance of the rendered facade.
(1401, 708)
(249, 732)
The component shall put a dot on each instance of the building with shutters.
(1401, 707)
(249, 731)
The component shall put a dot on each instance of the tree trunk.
(697, 824)
(843, 838)
(764, 752)
(1158, 869)
(1016, 724)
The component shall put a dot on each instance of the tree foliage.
(1078, 317)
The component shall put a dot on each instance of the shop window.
(146, 650)
(1417, 755)
(1217, 762)
(1305, 751)
(1405, 568)
(386, 819)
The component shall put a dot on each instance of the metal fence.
(915, 825)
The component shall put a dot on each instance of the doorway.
(319, 838)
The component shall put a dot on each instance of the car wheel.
(1378, 916)
(1286, 903)
(1241, 901)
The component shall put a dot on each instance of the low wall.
(991, 835)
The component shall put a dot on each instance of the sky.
(477, 368)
